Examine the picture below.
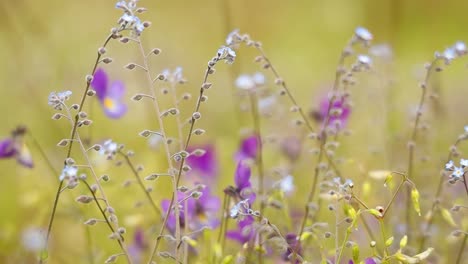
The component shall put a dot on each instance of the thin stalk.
(73, 132)
(259, 161)
(120, 240)
(141, 184)
(412, 142)
(182, 162)
(223, 220)
(462, 249)
(166, 148)
(440, 186)
(384, 236)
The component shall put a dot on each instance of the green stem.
(462, 249)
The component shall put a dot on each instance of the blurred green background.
(50, 45)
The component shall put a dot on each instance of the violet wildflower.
(339, 112)
(366, 261)
(201, 212)
(138, 246)
(243, 186)
(248, 148)
(244, 232)
(109, 95)
(292, 241)
(15, 147)
(205, 164)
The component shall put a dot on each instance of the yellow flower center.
(109, 103)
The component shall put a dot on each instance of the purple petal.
(248, 148)
(242, 177)
(116, 90)
(241, 234)
(207, 164)
(370, 261)
(24, 156)
(99, 84)
(208, 201)
(7, 148)
(114, 109)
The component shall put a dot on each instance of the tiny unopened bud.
(199, 131)
(196, 115)
(70, 161)
(327, 235)
(146, 24)
(122, 230)
(105, 177)
(124, 40)
(63, 143)
(97, 147)
(89, 78)
(156, 51)
(204, 98)
(87, 122)
(130, 66)
(152, 177)
(75, 106)
(82, 114)
(207, 85)
(373, 243)
(183, 188)
(107, 60)
(102, 50)
(91, 221)
(57, 116)
(196, 195)
(84, 199)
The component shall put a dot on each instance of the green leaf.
(448, 217)
(403, 241)
(389, 241)
(355, 251)
(415, 199)
(375, 213)
(228, 259)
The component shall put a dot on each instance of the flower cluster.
(457, 172)
(227, 54)
(453, 52)
(57, 99)
(129, 20)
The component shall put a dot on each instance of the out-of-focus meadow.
(51, 45)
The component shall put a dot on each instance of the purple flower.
(292, 243)
(136, 249)
(15, 147)
(201, 212)
(367, 261)
(339, 106)
(336, 105)
(244, 232)
(206, 164)
(248, 148)
(109, 95)
(242, 181)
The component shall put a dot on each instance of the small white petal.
(363, 34)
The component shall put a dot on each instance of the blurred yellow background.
(50, 45)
